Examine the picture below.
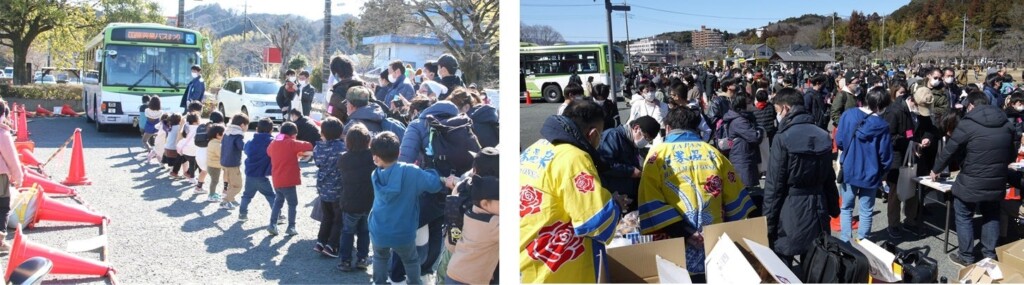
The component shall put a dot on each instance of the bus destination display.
(152, 35)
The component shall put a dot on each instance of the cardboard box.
(978, 275)
(883, 266)
(1012, 255)
(671, 273)
(755, 229)
(727, 263)
(637, 263)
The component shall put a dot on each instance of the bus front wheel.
(553, 94)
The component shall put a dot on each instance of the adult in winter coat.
(800, 192)
(931, 98)
(765, 115)
(864, 138)
(360, 110)
(846, 98)
(611, 110)
(447, 66)
(196, 89)
(745, 154)
(308, 132)
(485, 124)
(341, 67)
(986, 138)
(620, 149)
(399, 85)
(415, 138)
(902, 131)
(288, 91)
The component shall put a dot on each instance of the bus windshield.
(141, 66)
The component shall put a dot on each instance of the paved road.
(162, 233)
(532, 116)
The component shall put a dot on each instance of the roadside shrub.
(42, 92)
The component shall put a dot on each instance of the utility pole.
(181, 13)
(833, 35)
(326, 64)
(963, 40)
(245, 18)
(628, 55)
(881, 48)
(611, 46)
(981, 37)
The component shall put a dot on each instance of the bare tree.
(539, 34)
(284, 39)
(1012, 45)
(476, 22)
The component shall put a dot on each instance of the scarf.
(761, 105)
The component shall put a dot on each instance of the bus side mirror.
(99, 55)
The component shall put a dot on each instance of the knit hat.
(448, 61)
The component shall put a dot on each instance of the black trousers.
(330, 225)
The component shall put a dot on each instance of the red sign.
(272, 55)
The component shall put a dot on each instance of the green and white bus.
(547, 68)
(134, 60)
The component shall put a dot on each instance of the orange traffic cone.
(49, 209)
(11, 118)
(76, 175)
(40, 111)
(22, 125)
(29, 145)
(68, 111)
(837, 225)
(528, 100)
(33, 172)
(63, 262)
(27, 158)
(47, 185)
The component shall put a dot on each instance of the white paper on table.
(87, 244)
(880, 260)
(671, 273)
(725, 264)
(772, 263)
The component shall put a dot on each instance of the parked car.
(44, 79)
(8, 72)
(255, 97)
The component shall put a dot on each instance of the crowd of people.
(799, 146)
(406, 171)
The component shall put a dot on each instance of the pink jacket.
(11, 164)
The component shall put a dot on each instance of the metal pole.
(963, 40)
(626, 14)
(611, 49)
(881, 48)
(181, 13)
(833, 35)
(325, 68)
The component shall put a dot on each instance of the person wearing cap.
(847, 96)
(447, 66)
(195, 91)
(620, 149)
(432, 89)
(341, 67)
(359, 109)
(475, 256)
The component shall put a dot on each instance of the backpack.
(720, 137)
(455, 209)
(449, 143)
(202, 140)
(830, 260)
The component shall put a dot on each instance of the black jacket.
(800, 187)
(766, 120)
(901, 123)
(338, 93)
(745, 138)
(1016, 120)
(620, 153)
(986, 137)
(308, 131)
(284, 98)
(485, 124)
(357, 189)
(611, 114)
(451, 82)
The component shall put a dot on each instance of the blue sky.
(584, 20)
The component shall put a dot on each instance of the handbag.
(906, 186)
(917, 267)
(831, 260)
(318, 212)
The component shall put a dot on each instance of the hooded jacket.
(415, 138)
(485, 124)
(339, 92)
(231, 146)
(257, 162)
(370, 115)
(986, 138)
(328, 176)
(745, 153)
(622, 156)
(867, 148)
(396, 190)
(994, 96)
(800, 191)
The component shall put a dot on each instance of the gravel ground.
(161, 233)
(929, 240)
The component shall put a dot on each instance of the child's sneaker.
(346, 266)
(318, 247)
(363, 263)
(272, 230)
(329, 251)
(199, 190)
(193, 180)
(214, 198)
(291, 232)
(235, 204)
(243, 217)
(281, 220)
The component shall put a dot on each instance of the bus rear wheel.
(553, 94)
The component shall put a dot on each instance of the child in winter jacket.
(356, 166)
(213, 167)
(328, 184)
(257, 168)
(231, 158)
(397, 187)
(284, 153)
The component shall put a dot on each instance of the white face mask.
(291, 78)
(195, 74)
(392, 78)
(1018, 108)
(599, 101)
(302, 82)
(935, 82)
(949, 80)
(778, 118)
(649, 97)
(749, 77)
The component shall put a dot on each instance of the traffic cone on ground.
(22, 125)
(40, 111)
(528, 100)
(11, 118)
(76, 175)
(837, 225)
(33, 172)
(27, 158)
(49, 209)
(47, 185)
(68, 111)
(29, 145)
(63, 263)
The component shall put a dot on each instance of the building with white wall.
(653, 46)
(413, 50)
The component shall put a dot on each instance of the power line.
(701, 15)
(560, 5)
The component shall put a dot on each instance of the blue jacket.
(867, 148)
(399, 87)
(370, 115)
(622, 155)
(396, 205)
(231, 146)
(328, 174)
(485, 124)
(195, 91)
(415, 139)
(257, 163)
(994, 96)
